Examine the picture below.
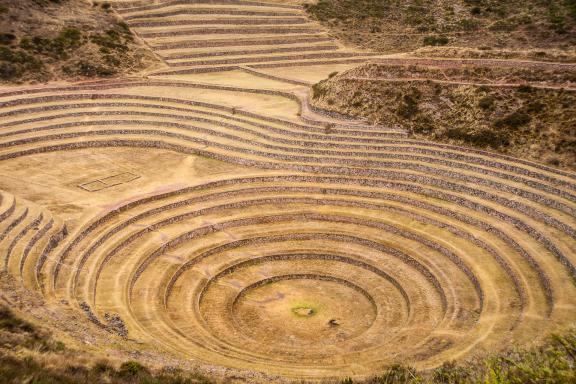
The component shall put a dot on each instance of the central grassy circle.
(304, 311)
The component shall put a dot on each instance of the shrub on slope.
(43, 40)
(404, 25)
(524, 121)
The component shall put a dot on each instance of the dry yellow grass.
(217, 220)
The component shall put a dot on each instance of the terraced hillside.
(219, 218)
(203, 36)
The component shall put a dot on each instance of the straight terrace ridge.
(265, 30)
(265, 75)
(300, 99)
(221, 21)
(306, 48)
(143, 7)
(212, 11)
(449, 62)
(253, 59)
(236, 128)
(454, 165)
(293, 39)
(252, 64)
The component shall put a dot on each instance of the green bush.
(526, 89)
(513, 120)
(483, 138)
(7, 38)
(102, 367)
(12, 323)
(88, 69)
(469, 24)
(60, 47)
(435, 40)
(112, 40)
(408, 108)
(131, 369)
(399, 374)
(418, 16)
(535, 107)
(16, 63)
(326, 10)
(503, 26)
(70, 37)
(487, 102)
(318, 90)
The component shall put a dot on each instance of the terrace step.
(212, 12)
(264, 41)
(151, 24)
(269, 58)
(257, 64)
(126, 8)
(230, 31)
(212, 53)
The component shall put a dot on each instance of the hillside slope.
(42, 40)
(520, 111)
(405, 25)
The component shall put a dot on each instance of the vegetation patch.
(392, 26)
(32, 51)
(554, 363)
(538, 123)
(28, 354)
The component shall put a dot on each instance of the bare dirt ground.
(203, 214)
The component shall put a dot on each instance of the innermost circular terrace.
(304, 311)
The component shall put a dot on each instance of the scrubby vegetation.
(29, 370)
(553, 363)
(103, 48)
(30, 355)
(392, 25)
(539, 123)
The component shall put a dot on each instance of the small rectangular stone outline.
(103, 183)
